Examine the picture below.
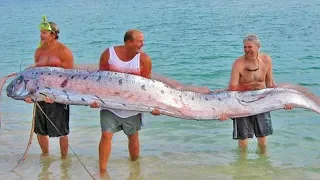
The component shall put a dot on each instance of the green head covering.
(48, 26)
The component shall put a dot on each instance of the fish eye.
(19, 80)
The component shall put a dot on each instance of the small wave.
(309, 84)
(96, 42)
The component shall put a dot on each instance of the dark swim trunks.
(58, 114)
(259, 124)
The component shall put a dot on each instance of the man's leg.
(243, 145)
(64, 141)
(242, 130)
(262, 143)
(44, 144)
(263, 128)
(134, 146)
(104, 150)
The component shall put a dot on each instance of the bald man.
(126, 58)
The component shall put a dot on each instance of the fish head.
(21, 87)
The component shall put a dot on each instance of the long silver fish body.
(130, 92)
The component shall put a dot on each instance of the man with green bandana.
(55, 54)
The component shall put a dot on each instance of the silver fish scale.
(130, 92)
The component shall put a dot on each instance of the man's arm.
(66, 57)
(269, 76)
(234, 78)
(36, 55)
(145, 65)
(103, 64)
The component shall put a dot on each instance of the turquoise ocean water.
(194, 42)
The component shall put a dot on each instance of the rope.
(30, 139)
(61, 135)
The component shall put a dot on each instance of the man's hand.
(28, 100)
(223, 117)
(94, 105)
(155, 112)
(48, 100)
(287, 107)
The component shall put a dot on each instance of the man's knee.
(134, 137)
(64, 137)
(262, 141)
(134, 143)
(106, 135)
(243, 143)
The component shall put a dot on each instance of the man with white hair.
(252, 71)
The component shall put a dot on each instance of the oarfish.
(130, 92)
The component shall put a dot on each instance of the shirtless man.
(127, 58)
(252, 71)
(52, 53)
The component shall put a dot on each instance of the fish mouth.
(17, 88)
(10, 90)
